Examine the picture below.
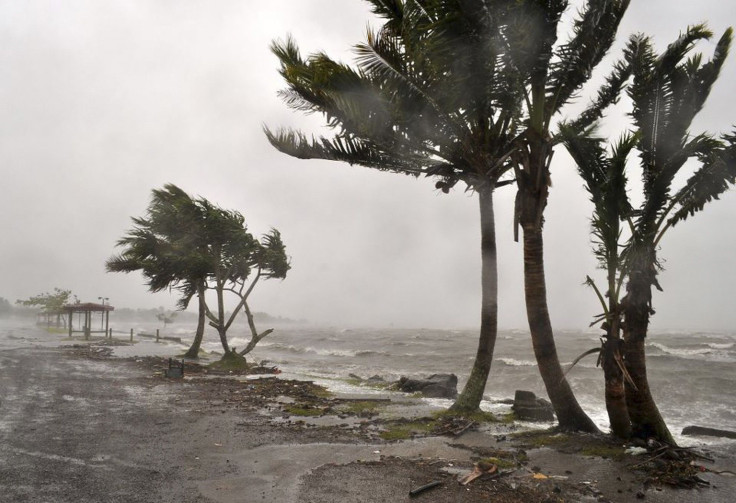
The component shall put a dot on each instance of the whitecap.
(513, 362)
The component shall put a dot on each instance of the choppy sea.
(692, 374)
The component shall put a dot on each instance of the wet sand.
(79, 426)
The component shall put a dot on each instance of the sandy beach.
(80, 425)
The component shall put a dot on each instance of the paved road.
(80, 430)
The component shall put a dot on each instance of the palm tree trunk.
(193, 351)
(615, 390)
(570, 415)
(472, 394)
(646, 419)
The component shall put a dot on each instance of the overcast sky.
(100, 102)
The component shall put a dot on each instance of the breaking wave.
(513, 362)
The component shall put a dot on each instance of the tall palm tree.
(667, 91)
(432, 95)
(604, 174)
(154, 247)
(551, 74)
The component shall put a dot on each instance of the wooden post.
(110, 332)
(157, 335)
(131, 335)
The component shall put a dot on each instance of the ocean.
(692, 374)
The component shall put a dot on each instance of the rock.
(707, 432)
(376, 379)
(434, 386)
(527, 407)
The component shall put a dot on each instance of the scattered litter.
(479, 469)
(539, 476)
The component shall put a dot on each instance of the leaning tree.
(604, 173)
(666, 92)
(158, 246)
(550, 74)
(431, 94)
(195, 246)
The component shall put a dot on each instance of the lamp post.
(102, 314)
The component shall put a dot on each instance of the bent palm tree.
(667, 92)
(551, 75)
(605, 181)
(432, 95)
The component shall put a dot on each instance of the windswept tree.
(605, 179)
(550, 74)
(194, 246)
(431, 94)
(667, 91)
(236, 261)
(167, 256)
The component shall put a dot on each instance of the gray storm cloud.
(103, 101)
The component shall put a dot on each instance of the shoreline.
(219, 437)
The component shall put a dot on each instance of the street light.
(102, 314)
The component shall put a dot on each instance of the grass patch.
(303, 411)
(616, 452)
(230, 361)
(406, 430)
(502, 463)
(360, 407)
(478, 417)
(322, 392)
(507, 418)
(543, 438)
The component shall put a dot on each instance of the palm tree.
(605, 180)
(155, 247)
(432, 95)
(551, 74)
(667, 92)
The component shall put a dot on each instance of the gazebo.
(88, 308)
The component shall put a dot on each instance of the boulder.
(527, 407)
(434, 386)
(707, 432)
(375, 380)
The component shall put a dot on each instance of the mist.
(104, 101)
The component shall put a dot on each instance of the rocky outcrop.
(707, 432)
(527, 407)
(434, 386)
